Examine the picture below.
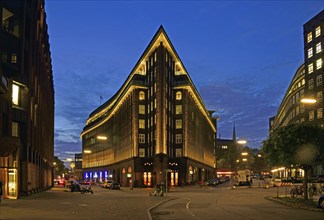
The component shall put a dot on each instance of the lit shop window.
(142, 123)
(224, 146)
(15, 94)
(178, 124)
(310, 52)
(141, 95)
(318, 47)
(319, 63)
(320, 113)
(310, 68)
(141, 138)
(141, 109)
(311, 84)
(309, 37)
(303, 82)
(311, 115)
(319, 80)
(178, 138)
(178, 96)
(319, 96)
(178, 109)
(318, 31)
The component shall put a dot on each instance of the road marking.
(187, 207)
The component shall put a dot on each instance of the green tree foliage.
(295, 144)
(59, 167)
(301, 144)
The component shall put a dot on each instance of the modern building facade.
(155, 129)
(26, 99)
(306, 85)
(78, 166)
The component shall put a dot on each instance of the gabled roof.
(159, 37)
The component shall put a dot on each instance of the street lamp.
(242, 142)
(87, 151)
(99, 137)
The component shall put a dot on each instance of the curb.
(148, 212)
(293, 205)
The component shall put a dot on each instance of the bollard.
(277, 192)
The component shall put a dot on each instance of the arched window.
(178, 96)
(141, 95)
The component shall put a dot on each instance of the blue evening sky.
(241, 56)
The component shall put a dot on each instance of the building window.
(141, 152)
(15, 94)
(141, 95)
(310, 68)
(178, 152)
(319, 63)
(303, 82)
(311, 84)
(302, 93)
(320, 113)
(224, 146)
(318, 31)
(13, 58)
(311, 115)
(302, 108)
(297, 110)
(309, 37)
(318, 47)
(178, 109)
(178, 138)
(179, 124)
(319, 80)
(4, 57)
(310, 52)
(141, 109)
(178, 96)
(142, 123)
(302, 120)
(141, 138)
(15, 129)
(319, 96)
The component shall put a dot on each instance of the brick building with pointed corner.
(155, 129)
(26, 99)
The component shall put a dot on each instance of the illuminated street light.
(244, 159)
(237, 161)
(308, 101)
(102, 137)
(244, 153)
(241, 142)
(87, 151)
(259, 155)
(69, 159)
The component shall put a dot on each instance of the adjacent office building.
(26, 99)
(307, 85)
(155, 129)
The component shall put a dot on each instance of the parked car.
(107, 183)
(114, 185)
(212, 182)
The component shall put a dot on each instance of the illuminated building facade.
(155, 129)
(307, 82)
(26, 99)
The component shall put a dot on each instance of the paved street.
(219, 202)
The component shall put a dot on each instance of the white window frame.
(141, 138)
(310, 68)
(319, 47)
(318, 31)
(310, 52)
(141, 109)
(178, 109)
(309, 37)
(178, 138)
(311, 84)
(319, 80)
(311, 115)
(141, 123)
(319, 113)
(319, 63)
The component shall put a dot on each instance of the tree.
(59, 167)
(301, 144)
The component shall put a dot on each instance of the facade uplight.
(87, 151)
(241, 142)
(308, 100)
(102, 137)
(244, 153)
